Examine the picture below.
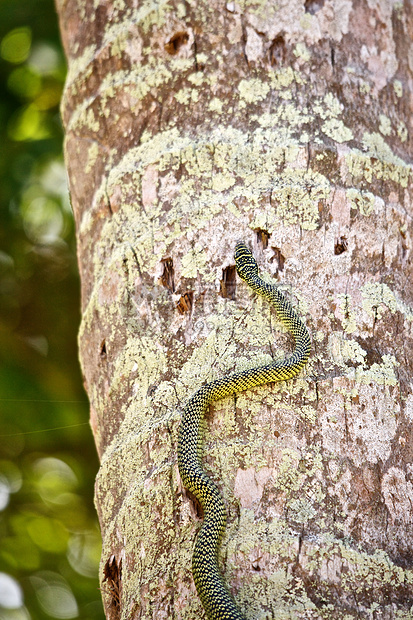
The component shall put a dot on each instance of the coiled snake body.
(214, 595)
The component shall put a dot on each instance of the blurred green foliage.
(50, 542)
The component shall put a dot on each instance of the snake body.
(214, 595)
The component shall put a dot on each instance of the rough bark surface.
(189, 126)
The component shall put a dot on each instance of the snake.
(211, 588)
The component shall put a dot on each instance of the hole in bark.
(186, 302)
(195, 505)
(262, 237)
(341, 245)
(167, 278)
(103, 349)
(228, 283)
(151, 390)
(313, 6)
(277, 51)
(256, 564)
(403, 243)
(279, 257)
(113, 576)
(176, 42)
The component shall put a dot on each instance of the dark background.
(49, 536)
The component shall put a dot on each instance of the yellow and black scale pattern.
(214, 595)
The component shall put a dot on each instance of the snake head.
(247, 267)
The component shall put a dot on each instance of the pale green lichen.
(202, 58)
(301, 510)
(148, 14)
(363, 201)
(295, 192)
(193, 262)
(378, 163)
(348, 316)
(296, 195)
(282, 79)
(328, 107)
(216, 105)
(136, 83)
(143, 357)
(301, 51)
(306, 21)
(377, 297)
(253, 90)
(381, 374)
(364, 87)
(385, 125)
(288, 476)
(307, 413)
(343, 350)
(371, 413)
(402, 131)
(196, 78)
(185, 95)
(358, 570)
(398, 88)
(335, 128)
(273, 588)
(80, 66)
(92, 155)
(221, 182)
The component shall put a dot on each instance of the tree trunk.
(190, 126)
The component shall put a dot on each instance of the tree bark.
(190, 126)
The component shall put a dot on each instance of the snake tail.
(212, 590)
